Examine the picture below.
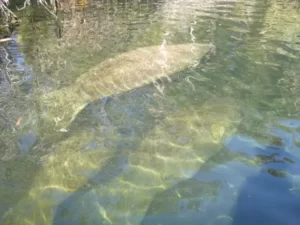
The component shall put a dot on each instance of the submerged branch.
(5, 40)
(6, 11)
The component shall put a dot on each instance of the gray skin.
(117, 75)
(75, 179)
(113, 159)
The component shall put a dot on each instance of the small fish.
(19, 121)
(63, 130)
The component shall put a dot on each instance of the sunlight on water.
(171, 134)
(170, 153)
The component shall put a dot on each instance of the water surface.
(217, 145)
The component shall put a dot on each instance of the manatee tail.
(59, 108)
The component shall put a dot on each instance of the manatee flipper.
(70, 205)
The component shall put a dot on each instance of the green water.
(219, 144)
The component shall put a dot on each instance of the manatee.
(76, 186)
(231, 182)
(122, 73)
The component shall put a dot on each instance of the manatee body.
(76, 183)
(122, 73)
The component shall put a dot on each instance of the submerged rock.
(120, 74)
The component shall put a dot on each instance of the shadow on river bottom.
(219, 147)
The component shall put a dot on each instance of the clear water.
(217, 145)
